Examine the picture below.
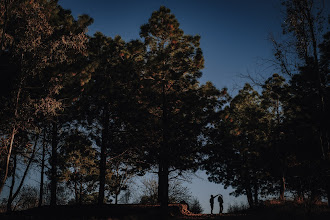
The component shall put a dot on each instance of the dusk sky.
(234, 34)
(234, 39)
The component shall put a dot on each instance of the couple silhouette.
(220, 200)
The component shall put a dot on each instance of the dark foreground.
(176, 211)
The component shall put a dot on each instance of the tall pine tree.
(176, 105)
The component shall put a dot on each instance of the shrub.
(237, 207)
(195, 207)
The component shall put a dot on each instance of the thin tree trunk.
(8, 159)
(324, 138)
(300, 192)
(76, 192)
(280, 156)
(324, 142)
(282, 189)
(14, 131)
(327, 185)
(103, 156)
(25, 172)
(41, 191)
(256, 189)
(10, 197)
(116, 198)
(80, 193)
(53, 177)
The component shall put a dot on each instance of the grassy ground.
(278, 210)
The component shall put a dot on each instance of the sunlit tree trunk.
(12, 137)
(8, 159)
(25, 172)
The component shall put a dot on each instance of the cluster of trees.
(275, 141)
(89, 112)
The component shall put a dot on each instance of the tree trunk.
(324, 128)
(103, 156)
(315, 195)
(249, 196)
(53, 171)
(25, 172)
(300, 192)
(8, 159)
(282, 189)
(80, 193)
(10, 197)
(76, 192)
(14, 131)
(163, 158)
(116, 198)
(163, 185)
(256, 189)
(327, 185)
(41, 191)
(248, 191)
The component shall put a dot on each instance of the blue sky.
(234, 33)
(234, 39)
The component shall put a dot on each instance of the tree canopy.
(90, 113)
